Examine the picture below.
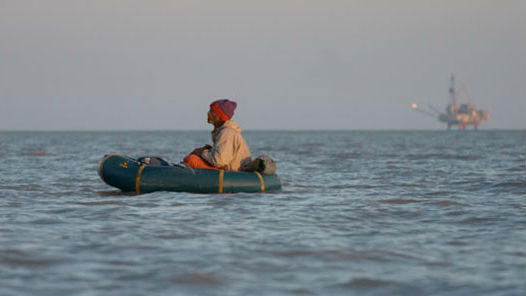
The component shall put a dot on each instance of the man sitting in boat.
(229, 151)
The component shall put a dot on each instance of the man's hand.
(199, 151)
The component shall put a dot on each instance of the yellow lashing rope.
(221, 178)
(262, 181)
(138, 179)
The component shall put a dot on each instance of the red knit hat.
(224, 109)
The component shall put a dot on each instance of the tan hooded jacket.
(230, 151)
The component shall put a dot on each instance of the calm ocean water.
(360, 213)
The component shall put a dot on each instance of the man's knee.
(197, 162)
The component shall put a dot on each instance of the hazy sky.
(333, 64)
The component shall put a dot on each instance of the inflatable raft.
(128, 174)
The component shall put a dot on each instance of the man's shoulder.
(230, 127)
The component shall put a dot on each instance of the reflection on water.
(360, 213)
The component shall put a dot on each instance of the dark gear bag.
(263, 164)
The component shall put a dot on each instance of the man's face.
(211, 117)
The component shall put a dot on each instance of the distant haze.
(97, 65)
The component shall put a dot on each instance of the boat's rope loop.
(261, 180)
(221, 179)
(138, 179)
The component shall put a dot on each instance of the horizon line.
(255, 129)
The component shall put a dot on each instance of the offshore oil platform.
(462, 115)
